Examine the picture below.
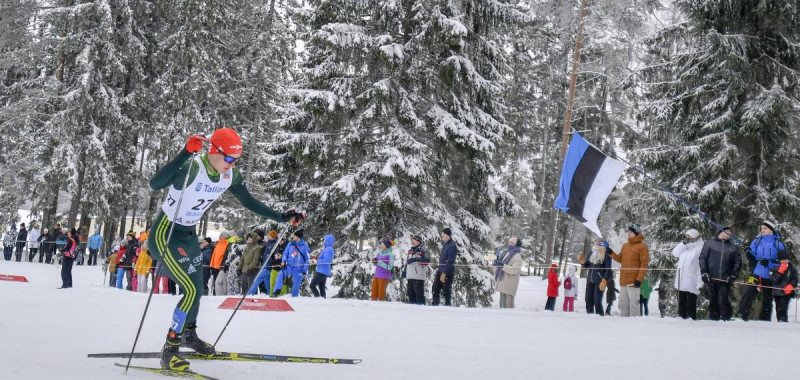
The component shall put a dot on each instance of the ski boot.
(190, 340)
(169, 354)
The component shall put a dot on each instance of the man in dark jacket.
(22, 238)
(598, 265)
(447, 269)
(720, 263)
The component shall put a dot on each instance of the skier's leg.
(589, 297)
(297, 280)
(746, 302)
(766, 301)
(598, 301)
(448, 289)
(436, 289)
(323, 285)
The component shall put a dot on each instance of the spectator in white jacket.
(570, 289)
(33, 241)
(688, 280)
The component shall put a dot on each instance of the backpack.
(568, 283)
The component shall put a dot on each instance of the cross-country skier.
(211, 175)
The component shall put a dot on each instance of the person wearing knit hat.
(635, 258)
(416, 270)
(443, 281)
(384, 262)
(688, 282)
(207, 177)
(262, 279)
(763, 256)
(784, 280)
(294, 265)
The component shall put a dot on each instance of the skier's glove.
(706, 278)
(782, 269)
(764, 262)
(498, 263)
(637, 284)
(788, 289)
(195, 144)
(375, 261)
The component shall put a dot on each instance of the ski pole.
(749, 284)
(158, 267)
(241, 300)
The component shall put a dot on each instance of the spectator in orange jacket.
(634, 258)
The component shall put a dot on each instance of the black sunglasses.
(227, 158)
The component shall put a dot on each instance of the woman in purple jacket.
(384, 261)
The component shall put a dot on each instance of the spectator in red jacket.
(552, 287)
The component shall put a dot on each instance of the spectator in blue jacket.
(323, 268)
(95, 242)
(295, 264)
(597, 264)
(443, 282)
(206, 248)
(262, 280)
(763, 256)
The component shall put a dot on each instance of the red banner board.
(256, 304)
(8, 277)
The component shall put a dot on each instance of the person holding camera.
(384, 262)
(508, 266)
(598, 274)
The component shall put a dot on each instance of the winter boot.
(190, 340)
(169, 354)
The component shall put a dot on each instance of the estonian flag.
(587, 178)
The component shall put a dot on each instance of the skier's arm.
(387, 266)
(617, 257)
(737, 263)
(644, 261)
(239, 190)
(169, 172)
(514, 267)
(704, 258)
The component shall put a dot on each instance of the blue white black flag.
(587, 178)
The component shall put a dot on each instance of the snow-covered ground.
(46, 333)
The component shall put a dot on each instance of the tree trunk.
(122, 222)
(75, 202)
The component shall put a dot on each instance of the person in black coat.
(720, 263)
(127, 262)
(784, 279)
(68, 252)
(22, 239)
(443, 282)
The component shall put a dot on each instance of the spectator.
(68, 253)
(22, 239)
(249, 264)
(552, 287)
(784, 280)
(123, 248)
(275, 265)
(295, 264)
(644, 298)
(218, 258)
(384, 262)
(8, 242)
(34, 236)
(95, 244)
(611, 291)
(443, 281)
(570, 289)
(323, 271)
(111, 261)
(232, 268)
(263, 278)
(508, 267)
(130, 253)
(634, 258)
(688, 279)
(416, 271)
(44, 246)
(143, 267)
(205, 251)
(83, 239)
(598, 265)
(763, 256)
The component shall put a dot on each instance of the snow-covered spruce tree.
(395, 129)
(722, 102)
